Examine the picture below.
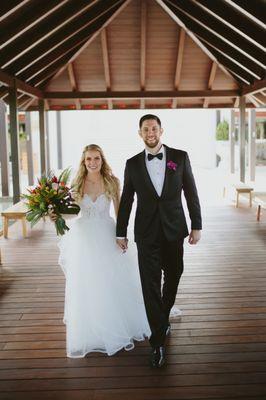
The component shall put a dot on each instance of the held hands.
(194, 236)
(122, 243)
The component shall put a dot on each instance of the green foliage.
(222, 130)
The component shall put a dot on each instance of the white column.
(252, 143)
(232, 141)
(241, 139)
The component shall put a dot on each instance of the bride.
(104, 309)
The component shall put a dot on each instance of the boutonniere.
(171, 165)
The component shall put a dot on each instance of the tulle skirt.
(104, 308)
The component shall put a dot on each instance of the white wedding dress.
(104, 309)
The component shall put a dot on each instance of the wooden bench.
(240, 188)
(16, 211)
(261, 202)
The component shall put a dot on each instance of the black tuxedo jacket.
(155, 212)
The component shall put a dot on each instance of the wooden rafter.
(124, 4)
(245, 76)
(142, 94)
(257, 87)
(249, 9)
(73, 83)
(210, 82)
(237, 58)
(10, 7)
(193, 37)
(106, 64)
(51, 59)
(143, 45)
(42, 31)
(179, 62)
(195, 13)
(235, 20)
(57, 43)
(8, 80)
(19, 23)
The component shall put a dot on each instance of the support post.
(48, 162)
(42, 136)
(29, 149)
(252, 143)
(241, 139)
(59, 140)
(14, 140)
(4, 153)
(232, 141)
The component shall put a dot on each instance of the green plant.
(222, 130)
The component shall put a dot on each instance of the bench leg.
(237, 199)
(5, 227)
(258, 212)
(250, 199)
(24, 227)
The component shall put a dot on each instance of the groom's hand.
(194, 237)
(122, 243)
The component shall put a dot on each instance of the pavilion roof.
(104, 54)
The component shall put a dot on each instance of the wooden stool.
(16, 211)
(243, 189)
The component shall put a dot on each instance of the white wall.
(117, 133)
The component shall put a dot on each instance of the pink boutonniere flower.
(171, 165)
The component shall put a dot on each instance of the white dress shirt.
(156, 170)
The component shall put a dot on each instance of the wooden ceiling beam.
(60, 42)
(73, 83)
(24, 87)
(260, 98)
(106, 64)
(60, 20)
(235, 20)
(254, 10)
(143, 48)
(122, 4)
(11, 6)
(210, 82)
(189, 32)
(195, 13)
(179, 62)
(142, 94)
(246, 76)
(226, 49)
(257, 87)
(51, 70)
(50, 59)
(26, 18)
(239, 59)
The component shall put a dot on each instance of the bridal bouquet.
(51, 195)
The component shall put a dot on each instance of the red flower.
(54, 179)
(62, 184)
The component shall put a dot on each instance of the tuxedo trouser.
(154, 258)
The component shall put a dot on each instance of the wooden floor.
(217, 350)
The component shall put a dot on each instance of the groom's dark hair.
(149, 116)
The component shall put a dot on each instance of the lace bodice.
(100, 208)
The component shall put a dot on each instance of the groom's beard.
(153, 144)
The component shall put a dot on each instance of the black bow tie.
(151, 156)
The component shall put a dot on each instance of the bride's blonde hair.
(111, 183)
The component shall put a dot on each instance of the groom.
(158, 175)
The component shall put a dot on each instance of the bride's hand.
(53, 216)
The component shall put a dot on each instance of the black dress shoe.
(157, 358)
